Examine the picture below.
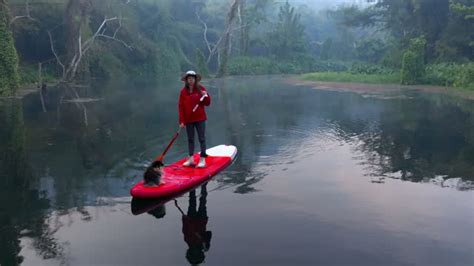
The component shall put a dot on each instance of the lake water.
(321, 177)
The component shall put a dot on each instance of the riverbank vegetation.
(404, 42)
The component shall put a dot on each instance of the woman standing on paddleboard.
(192, 100)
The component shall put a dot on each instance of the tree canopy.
(79, 39)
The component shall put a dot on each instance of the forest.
(112, 71)
(382, 41)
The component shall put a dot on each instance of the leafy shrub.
(263, 65)
(450, 74)
(465, 77)
(244, 65)
(367, 68)
(413, 62)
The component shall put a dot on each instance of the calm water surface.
(321, 178)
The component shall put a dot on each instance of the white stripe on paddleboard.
(223, 151)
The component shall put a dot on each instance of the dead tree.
(223, 45)
(69, 67)
(224, 52)
(76, 48)
(244, 27)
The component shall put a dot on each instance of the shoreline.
(377, 88)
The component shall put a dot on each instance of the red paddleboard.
(177, 178)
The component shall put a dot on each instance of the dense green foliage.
(287, 39)
(201, 64)
(242, 65)
(369, 69)
(8, 57)
(446, 42)
(393, 78)
(160, 38)
(413, 63)
(450, 75)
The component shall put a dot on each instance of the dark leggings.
(201, 130)
(201, 210)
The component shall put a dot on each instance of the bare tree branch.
(87, 43)
(119, 27)
(79, 40)
(214, 47)
(239, 14)
(81, 105)
(100, 33)
(70, 70)
(225, 51)
(55, 54)
(205, 31)
(40, 86)
(27, 11)
(115, 39)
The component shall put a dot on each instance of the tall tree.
(8, 56)
(75, 19)
(446, 33)
(244, 28)
(413, 65)
(288, 37)
(224, 52)
(457, 40)
(251, 14)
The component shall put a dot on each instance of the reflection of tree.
(43, 239)
(252, 110)
(13, 139)
(22, 207)
(234, 123)
(73, 154)
(410, 140)
(433, 142)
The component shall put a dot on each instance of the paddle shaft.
(176, 135)
(200, 100)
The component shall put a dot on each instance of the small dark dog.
(152, 176)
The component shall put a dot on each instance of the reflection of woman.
(194, 227)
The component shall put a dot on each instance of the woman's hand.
(181, 125)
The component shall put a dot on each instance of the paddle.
(177, 206)
(200, 100)
(176, 135)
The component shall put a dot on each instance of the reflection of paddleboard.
(178, 178)
(140, 206)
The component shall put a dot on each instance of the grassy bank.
(448, 75)
(393, 78)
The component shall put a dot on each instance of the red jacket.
(194, 229)
(187, 102)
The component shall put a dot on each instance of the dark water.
(321, 178)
